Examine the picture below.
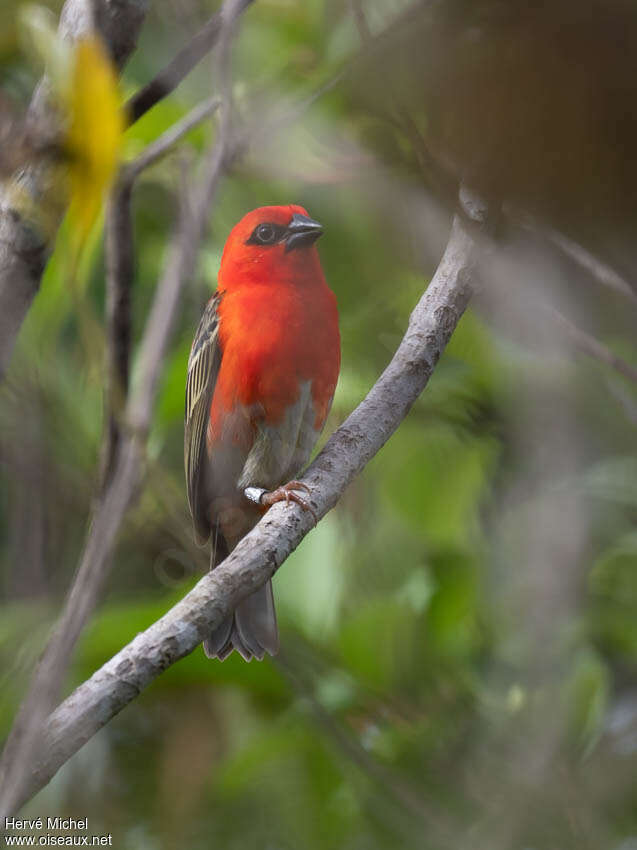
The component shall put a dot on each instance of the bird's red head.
(271, 244)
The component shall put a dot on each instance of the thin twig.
(592, 347)
(26, 735)
(264, 130)
(162, 145)
(626, 401)
(280, 121)
(120, 263)
(172, 75)
(265, 548)
(360, 19)
(599, 270)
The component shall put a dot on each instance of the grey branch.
(599, 270)
(178, 68)
(25, 738)
(262, 551)
(120, 265)
(24, 248)
(161, 146)
(360, 20)
(604, 273)
(592, 347)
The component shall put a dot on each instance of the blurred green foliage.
(459, 635)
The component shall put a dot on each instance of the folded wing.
(203, 368)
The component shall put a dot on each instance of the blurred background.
(459, 635)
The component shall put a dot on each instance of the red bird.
(261, 377)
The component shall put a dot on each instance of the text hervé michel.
(51, 823)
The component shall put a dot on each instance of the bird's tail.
(251, 630)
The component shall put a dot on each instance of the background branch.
(24, 248)
(592, 347)
(169, 77)
(119, 278)
(602, 272)
(161, 146)
(24, 740)
(120, 261)
(262, 551)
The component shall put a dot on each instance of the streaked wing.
(203, 368)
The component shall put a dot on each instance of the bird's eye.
(266, 234)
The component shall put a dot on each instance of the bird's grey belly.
(281, 451)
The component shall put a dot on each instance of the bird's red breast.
(278, 327)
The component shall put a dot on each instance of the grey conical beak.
(301, 231)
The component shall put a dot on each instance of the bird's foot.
(285, 493)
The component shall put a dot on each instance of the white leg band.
(254, 494)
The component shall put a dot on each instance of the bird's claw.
(296, 485)
(286, 492)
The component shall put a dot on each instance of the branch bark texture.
(24, 247)
(262, 551)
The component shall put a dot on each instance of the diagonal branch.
(262, 551)
(162, 145)
(592, 347)
(178, 68)
(603, 273)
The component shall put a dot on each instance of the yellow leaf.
(95, 134)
